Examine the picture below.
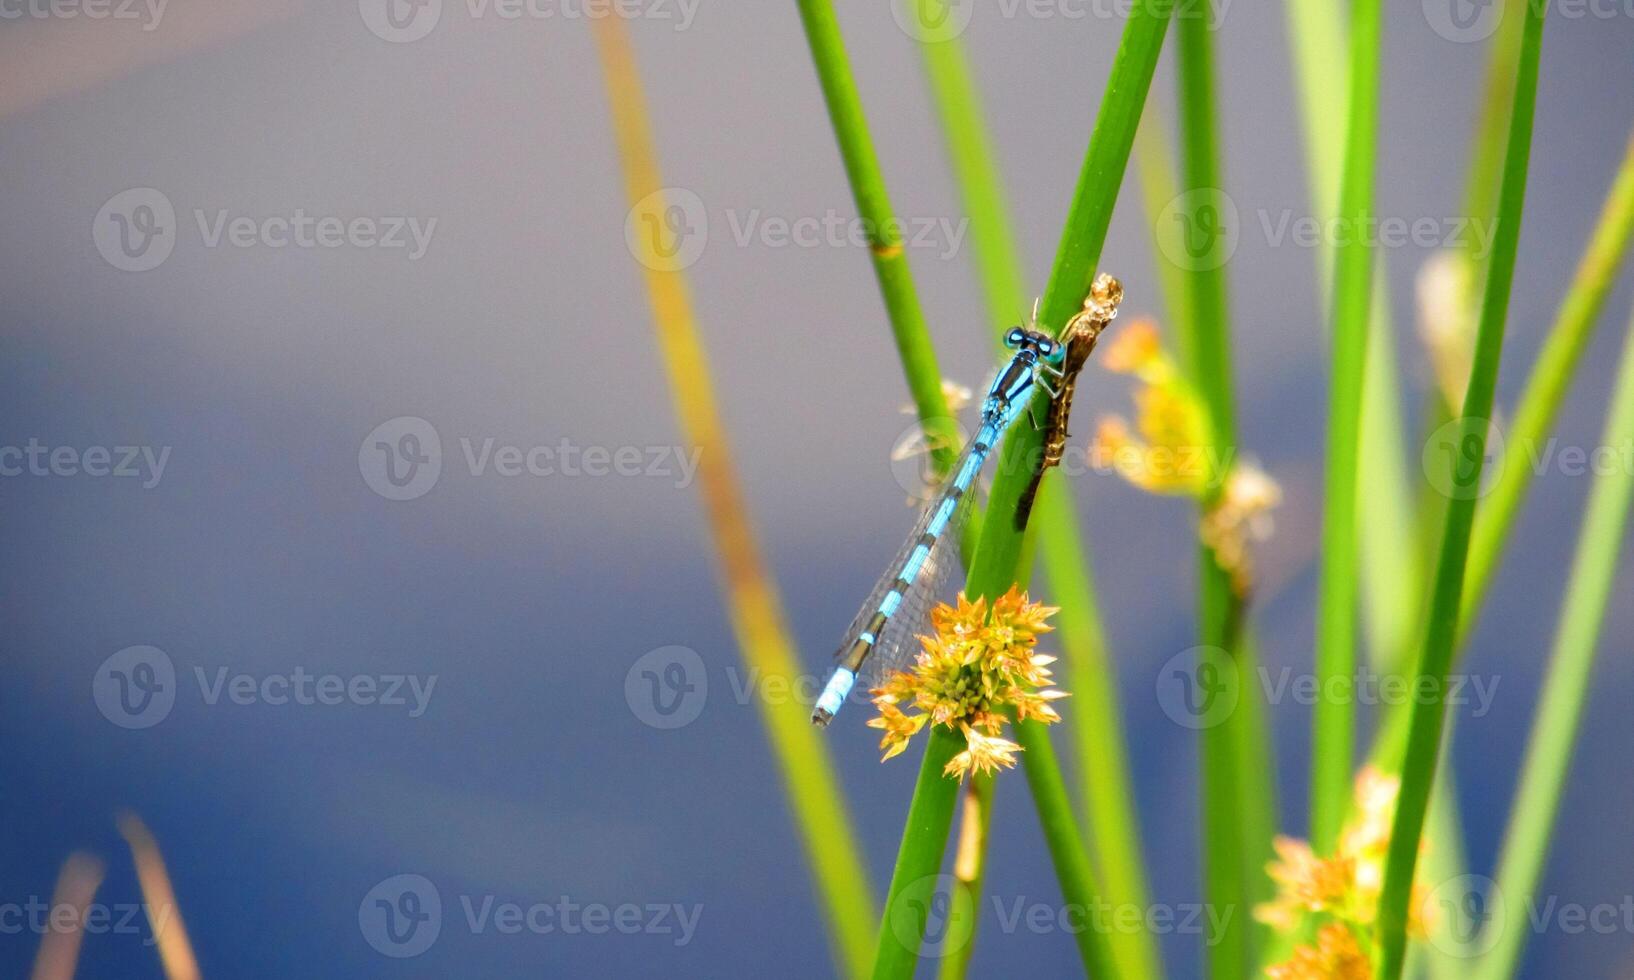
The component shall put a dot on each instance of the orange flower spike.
(963, 622)
(977, 666)
(1135, 349)
(1337, 955)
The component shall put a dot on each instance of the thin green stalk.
(969, 868)
(1447, 860)
(816, 800)
(981, 187)
(1333, 722)
(1486, 154)
(1094, 716)
(1231, 861)
(891, 267)
(1390, 568)
(1154, 168)
(997, 561)
(1428, 716)
(1550, 378)
(1555, 729)
(1208, 330)
(1107, 791)
(1253, 765)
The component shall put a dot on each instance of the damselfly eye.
(1055, 352)
(1014, 337)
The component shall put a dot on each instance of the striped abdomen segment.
(933, 526)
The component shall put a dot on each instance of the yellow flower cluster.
(1168, 453)
(977, 665)
(1171, 451)
(1336, 956)
(1342, 891)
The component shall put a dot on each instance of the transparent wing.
(896, 644)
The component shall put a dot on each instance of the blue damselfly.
(883, 636)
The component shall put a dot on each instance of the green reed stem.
(970, 868)
(1551, 376)
(998, 556)
(1094, 715)
(1486, 153)
(1231, 860)
(1333, 722)
(891, 267)
(976, 171)
(1154, 169)
(930, 814)
(1428, 716)
(1390, 568)
(816, 800)
(1555, 729)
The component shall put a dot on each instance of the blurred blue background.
(262, 547)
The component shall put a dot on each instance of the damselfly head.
(1040, 343)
